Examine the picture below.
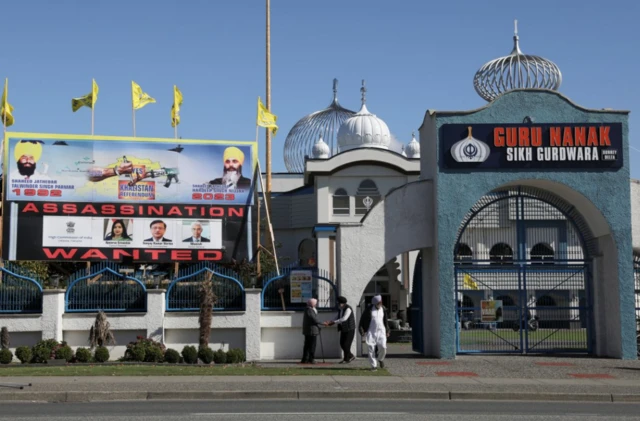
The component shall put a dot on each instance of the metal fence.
(19, 294)
(183, 293)
(636, 278)
(281, 293)
(104, 288)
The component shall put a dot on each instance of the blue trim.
(287, 308)
(219, 275)
(111, 310)
(324, 228)
(24, 278)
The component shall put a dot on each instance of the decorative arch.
(341, 203)
(463, 252)
(541, 253)
(306, 252)
(367, 196)
(501, 254)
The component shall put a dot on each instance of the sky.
(414, 55)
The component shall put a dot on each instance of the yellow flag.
(139, 98)
(88, 100)
(469, 283)
(6, 109)
(175, 108)
(265, 118)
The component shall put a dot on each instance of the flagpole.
(258, 240)
(133, 114)
(175, 129)
(92, 119)
(267, 191)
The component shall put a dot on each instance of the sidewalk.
(466, 377)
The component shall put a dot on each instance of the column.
(52, 311)
(252, 325)
(155, 314)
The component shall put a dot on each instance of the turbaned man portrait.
(232, 159)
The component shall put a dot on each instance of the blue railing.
(183, 292)
(19, 294)
(105, 289)
(278, 294)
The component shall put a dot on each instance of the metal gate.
(523, 276)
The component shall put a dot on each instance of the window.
(463, 252)
(341, 202)
(500, 254)
(540, 253)
(366, 196)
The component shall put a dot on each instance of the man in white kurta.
(374, 326)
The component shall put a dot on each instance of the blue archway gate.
(523, 275)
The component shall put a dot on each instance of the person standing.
(310, 330)
(374, 327)
(346, 322)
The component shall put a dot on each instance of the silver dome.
(516, 71)
(305, 133)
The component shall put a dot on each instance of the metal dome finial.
(335, 89)
(516, 71)
(364, 92)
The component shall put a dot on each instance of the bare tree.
(5, 339)
(100, 333)
(207, 301)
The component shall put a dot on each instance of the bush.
(145, 349)
(83, 355)
(220, 357)
(6, 356)
(235, 356)
(102, 354)
(43, 350)
(205, 354)
(63, 352)
(24, 354)
(190, 354)
(172, 356)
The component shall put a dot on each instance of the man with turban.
(374, 327)
(232, 178)
(346, 322)
(27, 153)
(310, 330)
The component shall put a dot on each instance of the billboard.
(69, 197)
(553, 146)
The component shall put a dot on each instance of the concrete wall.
(635, 214)
(608, 215)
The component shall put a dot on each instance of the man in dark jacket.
(346, 322)
(310, 330)
(374, 327)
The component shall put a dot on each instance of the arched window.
(540, 253)
(341, 203)
(306, 252)
(366, 196)
(463, 252)
(501, 254)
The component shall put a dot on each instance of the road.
(311, 410)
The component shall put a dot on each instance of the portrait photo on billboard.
(196, 231)
(159, 232)
(118, 230)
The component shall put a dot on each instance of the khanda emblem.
(470, 149)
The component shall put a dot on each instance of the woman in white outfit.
(374, 327)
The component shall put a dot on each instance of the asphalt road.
(271, 410)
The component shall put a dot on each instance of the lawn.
(182, 370)
(483, 336)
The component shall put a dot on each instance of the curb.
(29, 396)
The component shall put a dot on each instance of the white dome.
(363, 130)
(320, 150)
(412, 149)
(403, 152)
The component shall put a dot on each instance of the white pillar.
(155, 314)
(253, 328)
(52, 311)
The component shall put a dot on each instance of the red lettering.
(180, 254)
(498, 137)
(108, 210)
(196, 196)
(50, 208)
(119, 253)
(567, 138)
(581, 136)
(65, 254)
(536, 136)
(512, 136)
(89, 209)
(230, 196)
(523, 138)
(93, 254)
(155, 254)
(217, 196)
(127, 210)
(593, 137)
(190, 209)
(56, 193)
(69, 208)
(239, 212)
(209, 255)
(155, 210)
(554, 136)
(604, 136)
(174, 211)
(31, 207)
(216, 212)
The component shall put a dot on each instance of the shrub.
(24, 354)
(220, 357)
(83, 355)
(63, 352)
(190, 354)
(205, 354)
(43, 350)
(235, 356)
(6, 356)
(172, 356)
(102, 354)
(145, 349)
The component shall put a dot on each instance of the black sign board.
(531, 146)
